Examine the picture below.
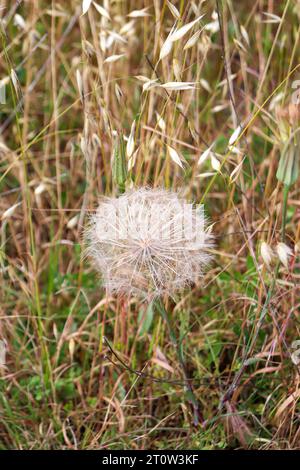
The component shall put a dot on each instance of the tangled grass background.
(204, 106)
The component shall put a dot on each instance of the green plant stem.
(177, 344)
(286, 189)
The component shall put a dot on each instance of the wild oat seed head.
(266, 253)
(148, 242)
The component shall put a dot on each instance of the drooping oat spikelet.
(148, 242)
(266, 253)
(284, 253)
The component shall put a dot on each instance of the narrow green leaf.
(146, 318)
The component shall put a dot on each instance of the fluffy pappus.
(148, 242)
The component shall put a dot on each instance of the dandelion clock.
(148, 243)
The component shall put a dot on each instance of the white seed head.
(148, 242)
(130, 142)
(10, 211)
(266, 253)
(235, 135)
(204, 155)
(73, 222)
(216, 165)
(40, 189)
(284, 252)
(3, 351)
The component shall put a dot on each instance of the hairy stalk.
(177, 344)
